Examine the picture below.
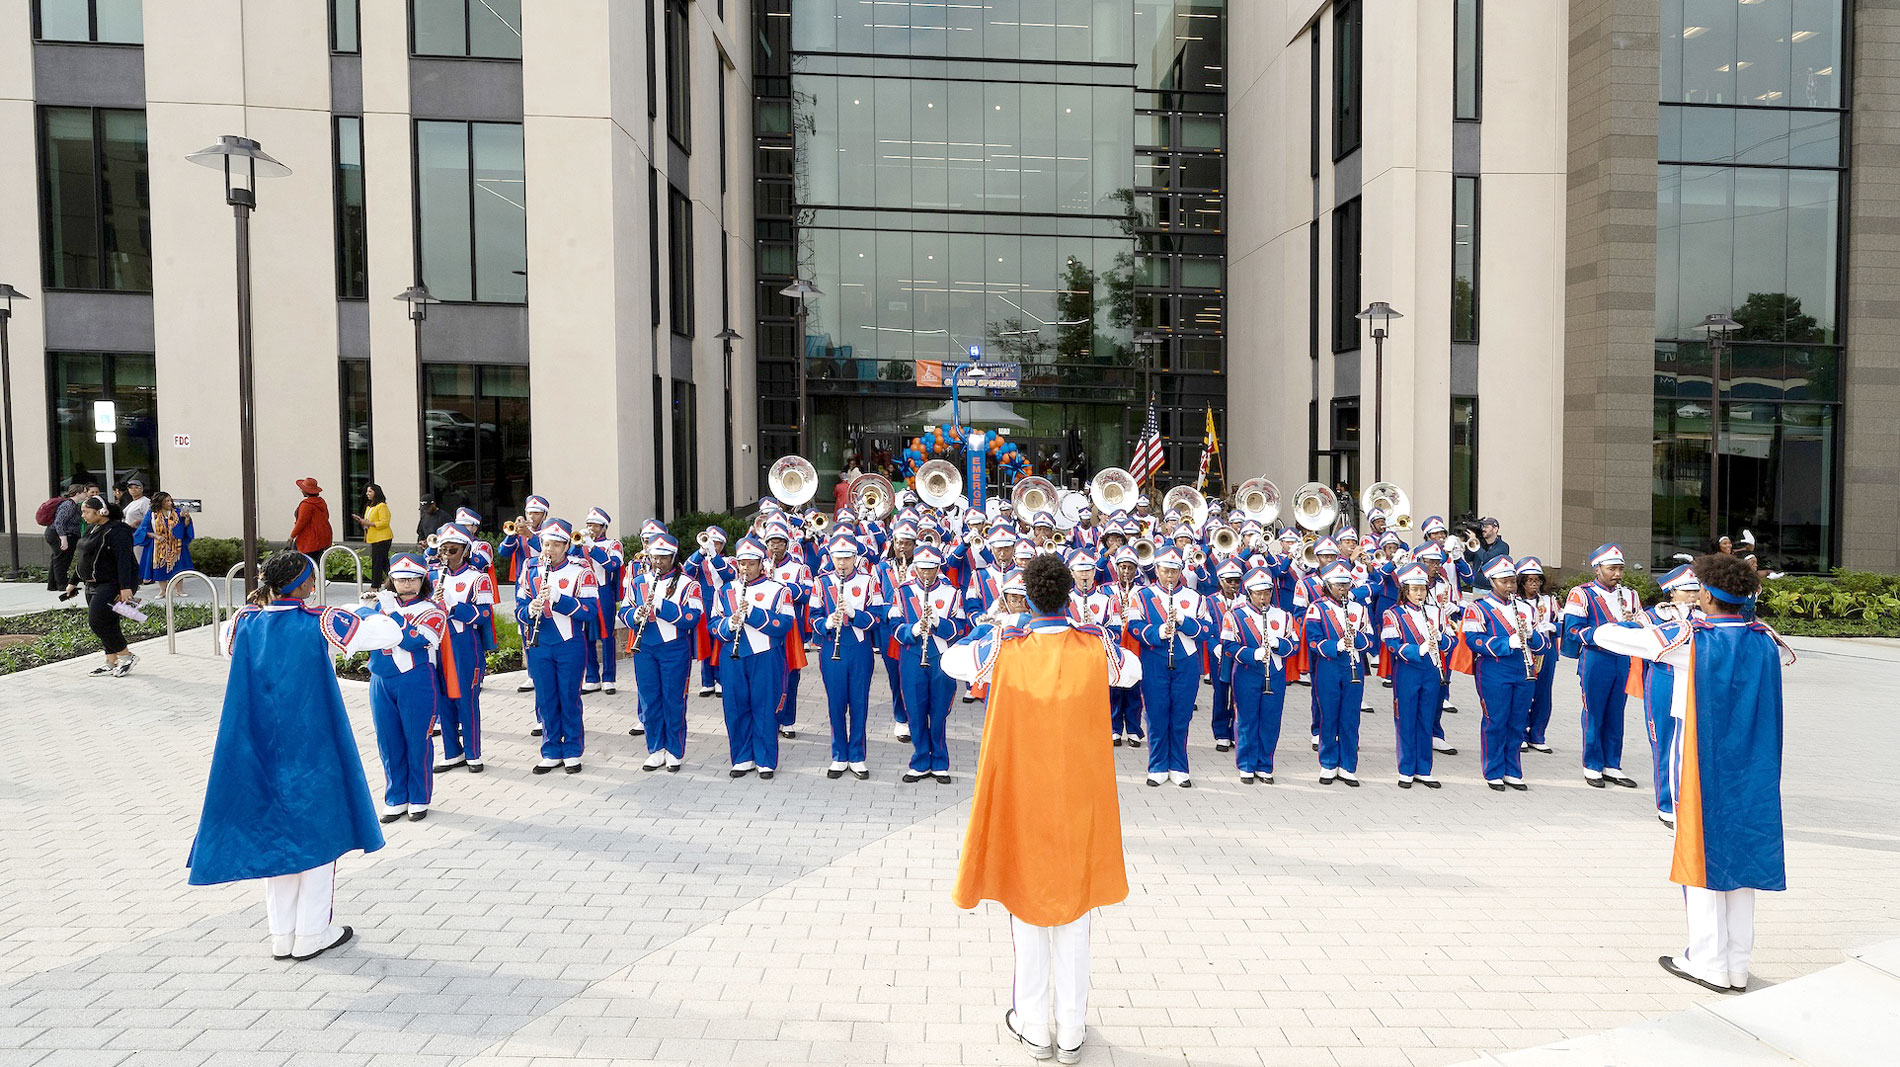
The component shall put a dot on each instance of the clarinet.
(837, 639)
(1266, 664)
(1171, 635)
(667, 594)
(1345, 630)
(734, 618)
(930, 626)
(1524, 639)
(1438, 656)
(541, 597)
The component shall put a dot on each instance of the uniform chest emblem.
(758, 598)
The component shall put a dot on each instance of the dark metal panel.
(88, 75)
(1464, 370)
(475, 333)
(346, 85)
(478, 90)
(99, 322)
(352, 329)
(1345, 374)
(1467, 141)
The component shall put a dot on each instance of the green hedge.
(686, 530)
(216, 556)
(62, 633)
(1843, 604)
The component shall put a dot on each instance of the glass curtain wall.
(359, 464)
(95, 195)
(1025, 182)
(471, 199)
(475, 428)
(1752, 147)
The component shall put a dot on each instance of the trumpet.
(1144, 551)
(817, 523)
(429, 542)
(1309, 553)
(1225, 540)
(508, 528)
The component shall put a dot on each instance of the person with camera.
(108, 565)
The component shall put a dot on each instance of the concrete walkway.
(620, 917)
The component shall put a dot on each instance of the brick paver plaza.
(622, 917)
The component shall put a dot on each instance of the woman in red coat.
(310, 534)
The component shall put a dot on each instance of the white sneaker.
(125, 665)
(673, 762)
(838, 765)
(705, 690)
(719, 690)
(1405, 777)
(1326, 775)
(572, 761)
(859, 768)
(1510, 781)
(590, 687)
(306, 947)
(1348, 776)
(281, 944)
(654, 762)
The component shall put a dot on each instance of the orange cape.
(1045, 833)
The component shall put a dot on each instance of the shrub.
(63, 633)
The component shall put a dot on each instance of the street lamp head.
(244, 158)
(801, 289)
(1380, 315)
(418, 298)
(1716, 321)
(727, 334)
(7, 293)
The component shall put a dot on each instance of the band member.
(552, 591)
(1172, 623)
(1601, 602)
(481, 553)
(467, 594)
(1658, 680)
(1047, 849)
(844, 608)
(1310, 591)
(1338, 635)
(403, 690)
(517, 548)
(1548, 616)
(662, 608)
(892, 572)
(754, 620)
(1262, 637)
(1442, 591)
(1124, 613)
(1726, 759)
(286, 795)
(606, 556)
(1087, 604)
(1418, 640)
(789, 570)
(1220, 652)
(929, 617)
(712, 570)
(1508, 650)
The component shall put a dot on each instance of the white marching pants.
(1052, 958)
(1721, 934)
(301, 903)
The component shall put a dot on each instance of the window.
(685, 446)
(653, 241)
(1346, 276)
(1349, 77)
(345, 19)
(679, 76)
(1464, 259)
(485, 29)
(353, 396)
(1468, 59)
(653, 65)
(95, 193)
(659, 443)
(352, 239)
(471, 200)
(475, 436)
(1313, 107)
(73, 381)
(1464, 455)
(97, 21)
(722, 124)
(679, 239)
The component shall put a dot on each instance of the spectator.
(106, 563)
(63, 536)
(433, 519)
(1491, 545)
(310, 533)
(164, 540)
(376, 532)
(137, 505)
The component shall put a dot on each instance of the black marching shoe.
(1134, 742)
(765, 776)
(1496, 787)
(943, 777)
(1594, 783)
(636, 730)
(389, 818)
(915, 776)
(418, 816)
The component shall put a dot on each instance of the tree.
(1775, 317)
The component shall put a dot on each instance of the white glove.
(1345, 645)
(640, 614)
(918, 629)
(1260, 654)
(386, 603)
(1515, 643)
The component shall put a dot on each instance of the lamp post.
(418, 298)
(726, 337)
(1380, 315)
(800, 289)
(240, 183)
(7, 295)
(1717, 327)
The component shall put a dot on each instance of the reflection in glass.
(1464, 259)
(75, 381)
(352, 237)
(1468, 15)
(1756, 243)
(95, 189)
(358, 464)
(471, 193)
(475, 432)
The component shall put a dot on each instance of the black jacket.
(107, 559)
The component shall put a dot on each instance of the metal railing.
(323, 571)
(171, 624)
(230, 594)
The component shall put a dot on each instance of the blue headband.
(301, 575)
(1728, 598)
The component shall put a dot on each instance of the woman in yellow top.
(376, 532)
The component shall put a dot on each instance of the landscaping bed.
(42, 637)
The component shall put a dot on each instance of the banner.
(929, 374)
(989, 376)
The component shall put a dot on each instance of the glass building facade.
(1753, 153)
(1031, 181)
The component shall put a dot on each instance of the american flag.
(1147, 460)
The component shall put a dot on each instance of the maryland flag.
(1213, 440)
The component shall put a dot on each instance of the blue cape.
(287, 791)
(1728, 804)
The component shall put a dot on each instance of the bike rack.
(323, 571)
(171, 626)
(230, 595)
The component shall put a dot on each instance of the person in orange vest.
(1048, 850)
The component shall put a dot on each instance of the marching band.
(1210, 594)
